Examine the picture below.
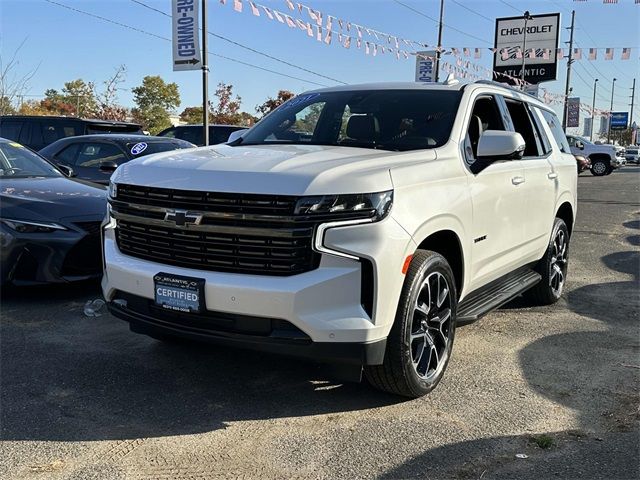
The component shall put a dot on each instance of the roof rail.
(503, 85)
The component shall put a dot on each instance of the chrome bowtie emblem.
(183, 218)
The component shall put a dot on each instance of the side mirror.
(66, 170)
(108, 166)
(236, 135)
(500, 145)
(580, 145)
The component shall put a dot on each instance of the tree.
(272, 103)
(191, 115)
(54, 103)
(82, 96)
(227, 111)
(154, 99)
(12, 85)
(32, 107)
(108, 108)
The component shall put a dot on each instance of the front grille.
(251, 234)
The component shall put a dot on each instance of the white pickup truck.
(357, 225)
(604, 157)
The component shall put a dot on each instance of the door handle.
(517, 180)
(552, 175)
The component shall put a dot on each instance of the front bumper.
(325, 304)
(56, 257)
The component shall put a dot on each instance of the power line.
(246, 47)
(473, 11)
(422, 14)
(135, 29)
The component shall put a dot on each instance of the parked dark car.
(95, 157)
(193, 133)
(37, 132)
(49, 224)
(583, 163)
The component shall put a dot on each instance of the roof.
(210, 125)
(62, 117)
(392, 86)
(122, 137)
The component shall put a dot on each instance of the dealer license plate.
(178, 293)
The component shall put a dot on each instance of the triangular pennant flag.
(347, 42)
(254, 9)
(268, 12)
(318, 33)
(366, 48)
(327, 39)
(278, 16)
(290, 5)
(290, 21)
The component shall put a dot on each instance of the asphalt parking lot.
(83, 397)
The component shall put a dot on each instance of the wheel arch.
(600, 156)
(447, 243)
(566, 213)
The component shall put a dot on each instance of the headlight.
(23, 226)
(113, 190)
(360, 205)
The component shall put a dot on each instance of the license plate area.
(178, 293)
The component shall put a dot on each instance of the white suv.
(356, 225)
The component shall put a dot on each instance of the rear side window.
(68, 154)
(55, 130)
(169, 133)
(522, 123)
(556, 130)
(221, 134)
(190, 134)
(92, 154)
(10, 129)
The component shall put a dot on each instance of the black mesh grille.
(258, 234)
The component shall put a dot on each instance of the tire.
(599, 167)
(552, 267)
(609, 171)
(423, 322)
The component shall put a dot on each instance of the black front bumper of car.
(56, 257)
(255, 333)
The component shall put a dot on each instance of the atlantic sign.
(542, 37)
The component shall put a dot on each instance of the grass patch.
(544, 441)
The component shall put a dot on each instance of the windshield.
(17, 161)
(140, 149)
(396, 120)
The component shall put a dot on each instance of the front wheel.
(599, 168)
(553, 267)
(420, 342)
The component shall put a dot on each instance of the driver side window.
(484, 116)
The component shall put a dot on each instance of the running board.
(495, 294)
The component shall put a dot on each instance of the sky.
(64, 44)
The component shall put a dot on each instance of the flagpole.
(205, 77)
(569, 62)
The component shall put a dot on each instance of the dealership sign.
(540, 52)
(186, 40)
(573, 112)
(619, 120)
(425, 66)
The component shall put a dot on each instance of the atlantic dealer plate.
(178, 293)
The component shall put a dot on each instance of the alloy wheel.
(599, 168)
(558, 264)
(431, 327)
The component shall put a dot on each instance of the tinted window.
(91, 154)
(10, 129)
(16, 161)
(53, 130)
(522, 124)
(540, 132)
(395, 120)
(68, 154)
(169, 133)
(97, 128)
(220, 134)
(556, 130)
(147, 148)
(190, 134)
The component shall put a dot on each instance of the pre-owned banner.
(539, 53)
(185, 18)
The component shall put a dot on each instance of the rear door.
(539, 187)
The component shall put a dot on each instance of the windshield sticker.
(138, 148)
(14, 144)
(299, 99)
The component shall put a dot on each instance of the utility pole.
(633, 96)
(439, 48)
(569, 62)
(527, 17)
(613, 88)
(205, 77)
(593, 109)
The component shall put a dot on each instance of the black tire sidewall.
(429, 262)
(544, 267)
(593, 166)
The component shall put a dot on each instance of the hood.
(282, 169)
(50, 199)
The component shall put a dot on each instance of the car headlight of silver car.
(25, 226)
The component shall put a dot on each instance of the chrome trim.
(318, 241)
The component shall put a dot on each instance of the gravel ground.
(85, 398)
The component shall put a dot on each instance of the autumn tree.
(192, 115)
(82, 96)
(13, 85)
(227, 110)
(272, 103)
(108, 108)
(154, 99)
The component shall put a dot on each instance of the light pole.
(593, 109)
(613, 87)
(439, 48)
(527, 17)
